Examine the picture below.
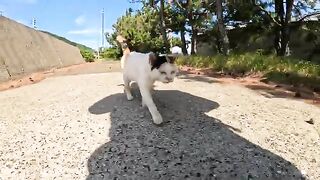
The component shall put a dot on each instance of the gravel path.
(82, 127)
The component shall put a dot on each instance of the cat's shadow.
(189, 145)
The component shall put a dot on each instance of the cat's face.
(167, 72)
(164, 68)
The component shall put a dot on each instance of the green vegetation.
(269, 32)
(86, 52)
(87, 55)
(278, 23)
(287, 46)
(250, 62)
(142, 28)
(80, 46)
(111, 53)
(277, 69)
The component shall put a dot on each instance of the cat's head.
(163, 67)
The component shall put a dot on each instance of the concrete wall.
(25, 50)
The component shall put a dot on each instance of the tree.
(276, 15)
(176, 21)
(163, 26)
(160, 10)
(223, 38)
(142, 28)
(181, 16)
(282, 33)
(281, 15)
(194, 17)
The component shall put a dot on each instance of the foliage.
(86, 52)
(198, 19)
(142, 28)
(280, 70)
(251, 63)
(111, 53)
(87, 55)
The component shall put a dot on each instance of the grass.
(281, 70)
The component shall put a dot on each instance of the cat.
(145, 69)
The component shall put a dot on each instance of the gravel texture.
(82, 127)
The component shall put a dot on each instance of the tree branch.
(177, 1)
(306, 16)
(268, 14)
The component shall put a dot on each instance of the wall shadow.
(189, 145)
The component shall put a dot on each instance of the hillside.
(80, 46)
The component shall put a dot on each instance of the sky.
(76, 20)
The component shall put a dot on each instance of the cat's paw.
(129, 97)
(143, 104)
(157, 119)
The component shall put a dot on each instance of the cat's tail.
(125, 49)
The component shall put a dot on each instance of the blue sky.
(77, 20)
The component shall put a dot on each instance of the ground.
(82, 127)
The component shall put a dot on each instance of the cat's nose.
(169, 79)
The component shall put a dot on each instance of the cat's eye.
(163, 73)
(172, 72)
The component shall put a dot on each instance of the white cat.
(145, 69)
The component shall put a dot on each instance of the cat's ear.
(152, 58)
(171, 58)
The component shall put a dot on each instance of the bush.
(280, 70)
(87, 55)
(111, 53)
(252, 62)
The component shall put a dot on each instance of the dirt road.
(82, 127)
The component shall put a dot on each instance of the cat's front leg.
(127, 89)
(148, 101)
(151, 89)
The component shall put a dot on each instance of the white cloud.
(90, 37)
(80, 20)
(86, 32)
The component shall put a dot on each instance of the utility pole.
(34, 22)
(102, 34)
(102, 28)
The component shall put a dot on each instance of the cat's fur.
(145, 69)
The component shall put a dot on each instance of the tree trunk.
(183, 40)
(163, 28)
(223, 38)
(277, 38)
(286, 30)
(193, 39)
(191, 22)
(282, 34)
(284, 41)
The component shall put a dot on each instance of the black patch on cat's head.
(156, 61)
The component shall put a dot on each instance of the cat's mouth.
(166, 82)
